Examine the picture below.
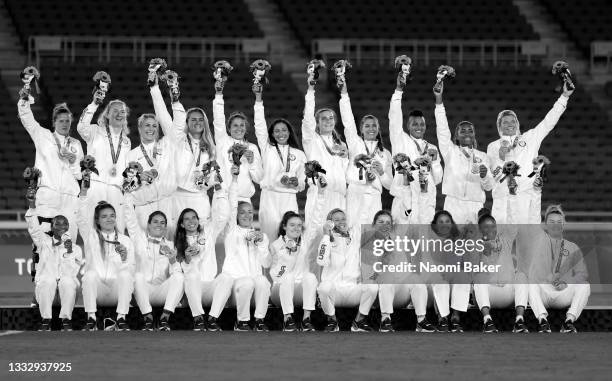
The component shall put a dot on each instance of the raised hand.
(235, 170)
(400, 83)
(122, 251)
(98, 97)
(567, 93)
(377, 166)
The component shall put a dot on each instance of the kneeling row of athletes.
(159, 271)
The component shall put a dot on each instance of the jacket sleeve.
(84, 219)
(165, 120)
(29, 122)
(309, 123)
(387, 177)
(219, 119)
(549, 122)
(256, 168)
(261, 129)
(131, 221)
(263, 252)
(395, 119)
(130, 263)
(85, 129)
(36, 233)
(443, 132)
(75, 267)
(221, 213)
(436, 171)
(350, 128)
(324, 252)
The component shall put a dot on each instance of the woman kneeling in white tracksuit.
(109, 263)
(159, 278)
(290, 269)
(340, 255)
(246, 255)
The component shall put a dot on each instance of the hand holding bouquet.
(404, 166)
(510, 171)
(132, 177)
(88, 166)
(312, 169)
(561, 69)
(540, 169)
(236, 152)
(404, 64)
(339, 69)
(157, 67)
(364, 164)
(260, 70)
(172, 81)
(28, 75)
(102, 84)
(424, 166)
(444, 72)
(313, 71)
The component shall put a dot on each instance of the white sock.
(541, 318)
(570, 317)
(518, 317)
(91, 315)
(119, 316)
(420, 318)
(486, 317)
(384, 316)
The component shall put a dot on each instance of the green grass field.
(229, 355)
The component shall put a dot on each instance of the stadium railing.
(601, 50)
(480, 52)
(140, 48)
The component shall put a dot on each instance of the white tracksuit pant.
(50, 203)
(243, 290)
(45, 293)
(517, 209)
(288, 291)
(117, 291)
(459, 298)
(574, 296)
(272, 206)
(111, 194)
(361, 207)
(495, 296)
(334, 295)
(332, 200)
(463, 211)
(203, 293)
(167, 294)
(399, 295)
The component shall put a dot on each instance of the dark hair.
(240, 203)
(286, 217)
(335, 135)
(382, 213)
(292, 141)
(454, 232)
(485, 214)
(180, 236)
(416, 113)
(98, 209)
(379, 137)
(234, 115)
(456, 139)
(157, 213)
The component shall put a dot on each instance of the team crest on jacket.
(521, 143)
(292, 157)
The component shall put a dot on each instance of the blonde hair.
(145, 116)
(206, 140)
(103, 118)
(507, 113)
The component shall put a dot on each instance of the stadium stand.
(571, 16)
(497, 19)
(151, 18)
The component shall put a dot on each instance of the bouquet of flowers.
(424, 166)
(339, 69)
(88, 166)
(31, 176)
(510, 171)
(150, 175)
(363, 163)
(221, 70)
(28, 75)
(207, 171)
(404, 166)
(102, 84)
(444, 72)
(561, 69)
(157, 68)
(236, 151)
(131, 176)
(540, 169)
(260, 70)
(312, 169)
(404, 64)
(313, 69)
(172, 81)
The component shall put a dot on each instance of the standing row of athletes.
(173, 226)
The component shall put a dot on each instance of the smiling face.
(149, 130)
(106, 220)
(190, 222)
(508, 125)
(281, 133)
(62, 123)
(443, 225)
(339, 220)
(466, 135)
(157, 227)
(554, 224)
(383, 224)
(117, 114)
(237, 128)
(488, 228)
(59, 227)
(416, 126)
(327, 122)
(293, 228)
(369, 129)
(195, 123)
(245, 215)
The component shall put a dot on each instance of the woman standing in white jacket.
(363, 198)
(159, 278)
(109, 263)
(58, 267)
(108, 142)
(322, 143)
(283, 168)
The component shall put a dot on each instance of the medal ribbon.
(114, 156)
(561, 250)
(288, 163)
(327, 147)
(146, 156)
(421, 152)
(191, 149)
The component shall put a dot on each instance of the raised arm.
(324, 252)
(396, 117)
(318, 218)
(36, 232)
(84, 216)
(261, 129)
(552, 117)
(27, 119)
(309, 123)
(386, 179)
(131, 221)
(263, 252)
(85, 129)
(165, 120)
(443, 132)
(348, 120)
(256, 168)
(219, 118)
(436, 170)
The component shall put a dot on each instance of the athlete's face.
(195, 123)
(245, 215)
(339, 220)
(281, 133)
(62, 123)
(238, 128)
(383, 224)
(466, 134)
(509, 125)
(554, 224)
(416, 126)
(60, 226)
(149, 130)
(369, 129)
(443, 225)
(488, 228)
(294, 227)
(190, 222)
(157, 227)
(117, 114)
(107, 219)
(327, 122)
